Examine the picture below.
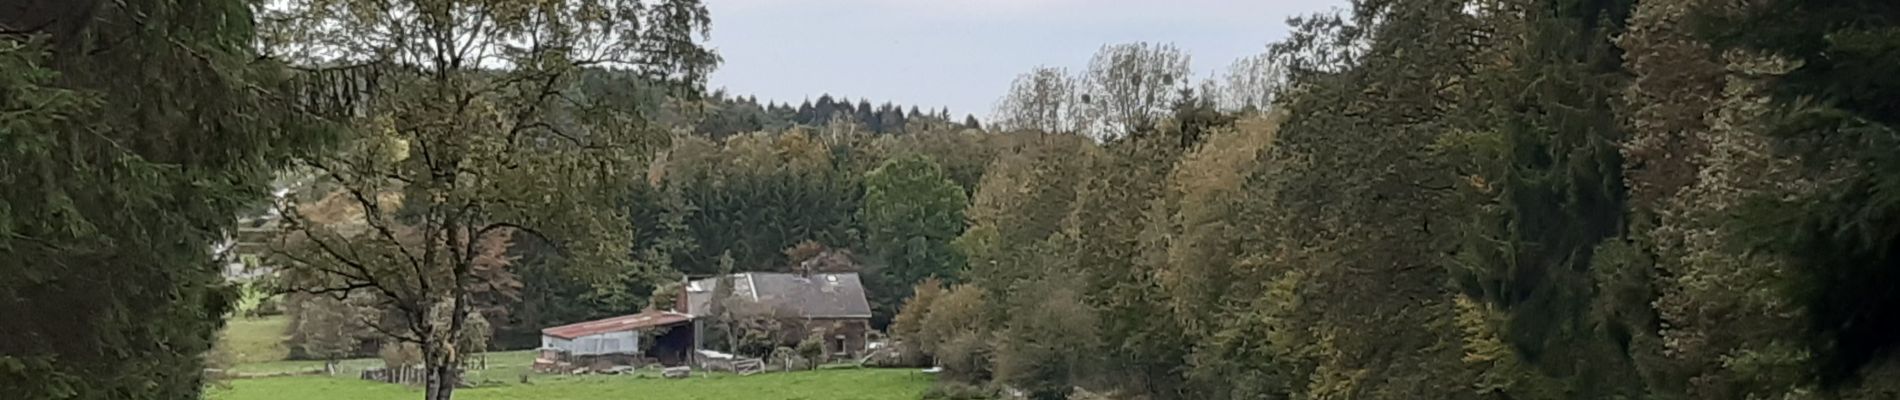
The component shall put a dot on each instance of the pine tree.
(135, 133)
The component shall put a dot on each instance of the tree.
(1019, 202)
(475, 342)
(1826, 70)
(1202, 267)
(911, 212)
(1102, 235)
(1543, 143)
(1046, 99)
(332, 329)
(720, 309)
(910, 201)
(867, 116)
(954, 335)
(461, 133)
(1250, 83)
(133, 133)
(1053, 347)
(812, 349)
(908, 326)
(1128, 88)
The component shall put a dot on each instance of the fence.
(413, 376)
(748, 366)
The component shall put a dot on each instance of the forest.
(1445, 199)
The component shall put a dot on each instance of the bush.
(399, 355)
(664, 297)
(952, 390)
(812, 348)
(788, 359)
(268, 306)
(966, 357)
(1085, 394)
(907, 328)
(1048, 345)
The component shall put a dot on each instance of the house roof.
(644, 320)
(822, 295)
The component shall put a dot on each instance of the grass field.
(502, 367)
(255, 340)
(839, 384)
(257, 344)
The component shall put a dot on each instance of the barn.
(618, 340)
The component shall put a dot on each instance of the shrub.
(812, 348)
(952, 390)
(1048, 345)
(400, 355)
(268, 306)
(786, 358)
(908, 326)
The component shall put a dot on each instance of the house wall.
(844, 337)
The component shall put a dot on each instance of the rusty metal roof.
(644, 320)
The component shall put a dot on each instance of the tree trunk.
(440, 382)
(439, 370)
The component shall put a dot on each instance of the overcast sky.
(963, 53)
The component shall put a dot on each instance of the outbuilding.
(619, 341)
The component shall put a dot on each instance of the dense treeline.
(1448, 199)
(720, 115)
(893, 203)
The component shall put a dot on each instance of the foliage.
(459, 137)
(954, 335)
(911, 211)
(908, 326)
(1051, 346)
(1047, 100)
(328, 328)
(1518, 199)
(480, 333)
(812, 349)
(1129, 87)
(397, 355)
(953, 390)
(721, 115)
(254, 340)
(1829, 87)
(133, 132)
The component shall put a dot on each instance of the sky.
(963, 53)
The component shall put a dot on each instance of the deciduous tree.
(465, 123)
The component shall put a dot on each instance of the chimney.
(680, 299)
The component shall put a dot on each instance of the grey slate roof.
(821, 295)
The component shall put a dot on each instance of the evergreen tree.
(806, 114)
(134, 134)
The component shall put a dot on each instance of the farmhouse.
(828, 305)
